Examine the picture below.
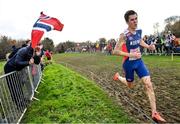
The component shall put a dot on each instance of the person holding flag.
(24, 56)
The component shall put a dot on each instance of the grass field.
(165, 75)
(67, 97)
(1, 67)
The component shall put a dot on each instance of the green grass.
(1, 67)
(67, 97)
(165, 76)
(114, 58)
(150, 60)
(100, 61)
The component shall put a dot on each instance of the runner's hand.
(135, 55)
(152, 47)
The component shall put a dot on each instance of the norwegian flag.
(44, 24)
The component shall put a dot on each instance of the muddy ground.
(165, 77)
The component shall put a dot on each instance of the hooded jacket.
(19, 60)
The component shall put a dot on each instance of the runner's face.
(132, 22)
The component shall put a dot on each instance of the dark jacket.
(14, 51)
(19, 60)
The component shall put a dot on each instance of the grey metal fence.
(16, 92)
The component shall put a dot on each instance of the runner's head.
(131, 19)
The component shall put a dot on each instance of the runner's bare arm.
(118, 48)
(145, 45)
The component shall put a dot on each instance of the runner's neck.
(133, 31)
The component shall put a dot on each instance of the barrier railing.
(172, 55)
(16, 92)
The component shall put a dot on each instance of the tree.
(48, 44)
(156, 28)
(173, 25)
(176, 29)
(172, 19)
(5, 46)
(69, 44)
(62, 47)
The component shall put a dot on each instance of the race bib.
(133, 51)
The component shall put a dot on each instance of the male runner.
(129, 47)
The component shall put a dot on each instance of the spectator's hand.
(31, 61)
(38, 53)
(152, 47)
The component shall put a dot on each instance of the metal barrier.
(172, 55)
(16, 92)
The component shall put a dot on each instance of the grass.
(152, 61)
(165, 76)
(67, 97)
(149, 58)
(99, 62)
(2, 67)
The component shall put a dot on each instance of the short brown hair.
(128, 13)
(27, 41)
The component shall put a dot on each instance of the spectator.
(109, 48)
(21, 59)
(48, 56)
(158, 45)
(14, 49)
(168, 45)
(41, 55)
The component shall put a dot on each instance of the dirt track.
(166, 85)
